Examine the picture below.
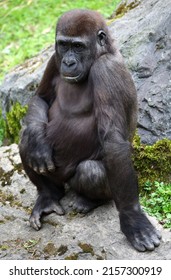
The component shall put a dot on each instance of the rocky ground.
(96, 235)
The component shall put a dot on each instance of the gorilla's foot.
(44, 205)
(84, 205)
(139, 231)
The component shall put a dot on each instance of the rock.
(21, 83)
(144, 37)
(96, 235)
(146, 46)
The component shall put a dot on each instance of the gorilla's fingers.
(50, 166)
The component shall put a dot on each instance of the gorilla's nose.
(70, 62)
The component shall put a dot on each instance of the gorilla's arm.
(115, 103)
(33, 146)
(38, 154)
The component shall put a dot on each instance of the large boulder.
(144, 36)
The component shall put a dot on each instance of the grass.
(28, 26)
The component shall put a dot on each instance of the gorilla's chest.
(72, 127)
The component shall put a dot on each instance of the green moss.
(62, 250)
(50, 249)
(123, 8)
(11, 126)
(11, 244)
(87, 248)
(99, 257)
(72, 257)
(9, 218)
(4, 197)
(72, 214)
(22, 191)
(10, 198)
(152, 162)
(13, 122)
(2, 128)
(4, 247)
(6, 177)
(18, 167)
(30, 243)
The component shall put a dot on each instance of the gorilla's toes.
(54, 207)
(35, 221)
(139, 231)
(83, 205)
(144, 240)
(44, 206)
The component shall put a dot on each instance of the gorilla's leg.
(124, 186)
(49, 195)
(90, 184)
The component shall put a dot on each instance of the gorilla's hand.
(40, 159)
(36, 151)
(34, 148)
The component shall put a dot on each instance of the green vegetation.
(2, 128)
(28, 26)
(86, 248)
(10, 126)
(152, 162)
(125, 7)
(13, 122)
(30, 243)
(158, 203)
(153, 166)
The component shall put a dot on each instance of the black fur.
(80, 125)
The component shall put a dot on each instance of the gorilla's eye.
(78, 46)
(62, 44)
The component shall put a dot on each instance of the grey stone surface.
(96, 235)
(21, 83)
(144, 36)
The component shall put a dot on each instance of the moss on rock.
(62, 250)
(50, 249)
(152, 162)
(125, 7)
(86, 248)
(72, 257)
(13, 122)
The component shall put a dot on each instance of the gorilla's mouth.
(71, 79)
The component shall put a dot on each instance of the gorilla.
(79, 128)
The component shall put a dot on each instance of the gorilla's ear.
(101, 38)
